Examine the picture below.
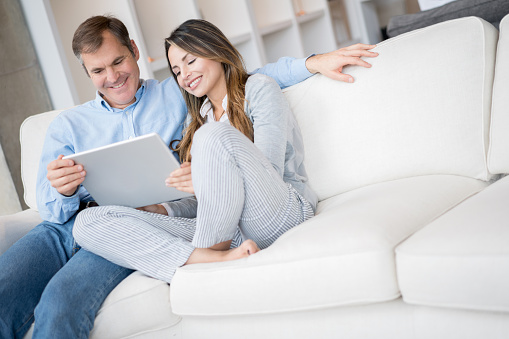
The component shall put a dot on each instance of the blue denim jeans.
(44, 278)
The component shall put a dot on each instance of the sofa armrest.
(9, 201)
(15, 226)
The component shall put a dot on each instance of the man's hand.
(331, 64)
(157, 208)
(65, 176)
(181, 179)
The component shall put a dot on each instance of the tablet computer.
(130, 173)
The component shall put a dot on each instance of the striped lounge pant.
(240, 196)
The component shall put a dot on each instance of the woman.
(243, 160)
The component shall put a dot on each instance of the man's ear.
(135, 50)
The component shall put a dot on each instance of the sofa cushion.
(14, 226)
(344, 255)
(138, 306)
(32, 134)
(423, 108)
(498, 157)
(461, 259)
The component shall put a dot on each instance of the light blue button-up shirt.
(159, 108)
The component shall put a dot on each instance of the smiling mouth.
(119, 85)
(194, 82)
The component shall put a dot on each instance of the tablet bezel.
(130, 173)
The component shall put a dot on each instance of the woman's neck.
(216, 98)
(218, 110)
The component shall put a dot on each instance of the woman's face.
(198, 76)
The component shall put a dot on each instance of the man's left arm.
(289, 71)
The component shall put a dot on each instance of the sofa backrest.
(422, 109)
(498, 157)
(32, 134)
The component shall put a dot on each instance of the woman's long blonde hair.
(202, 39)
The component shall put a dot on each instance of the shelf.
(261, 30)
(279, 26)
(310, 16)
(158, 64)
(240, 39)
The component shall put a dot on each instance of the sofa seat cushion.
(461, 259)
(14, 226)
(342, 256)
(139, 305)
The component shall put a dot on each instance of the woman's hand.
(158, 208)
(331, 64)
(181, 179)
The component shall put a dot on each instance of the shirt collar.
(206, 107)
(103, 103)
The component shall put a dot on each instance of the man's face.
(114, 71)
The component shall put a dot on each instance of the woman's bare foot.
(245, 249)
(204, 255)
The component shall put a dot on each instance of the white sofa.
(411, 236)
(9, 202)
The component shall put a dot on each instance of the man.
(44, 276)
